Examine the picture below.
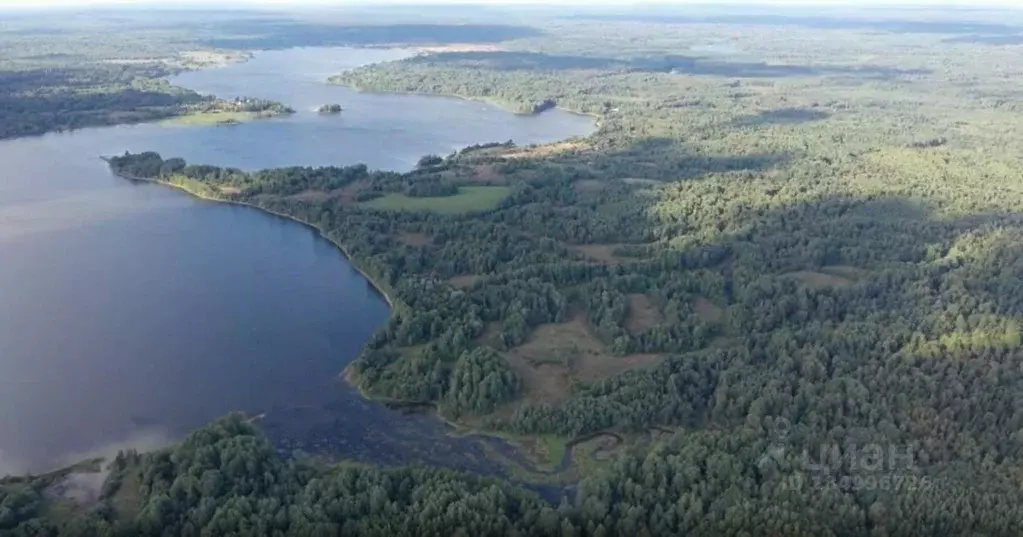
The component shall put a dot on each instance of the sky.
(23, 4)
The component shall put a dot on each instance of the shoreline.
(391, 303)
(347, 374)
(503, 106)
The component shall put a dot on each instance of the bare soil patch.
(707, 310)
(819, 280)
(642, 314)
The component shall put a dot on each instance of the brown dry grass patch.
(642, 314)
(707, 310)
(229, 190)
(819, 280)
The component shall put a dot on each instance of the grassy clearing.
(550, 449)
(469, 199)
(707, 310)
(127, 500)
(642, 315)
(212, 118)
(592, 455)
(560, 355)
(545, 150)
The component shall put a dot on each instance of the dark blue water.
(131, 313)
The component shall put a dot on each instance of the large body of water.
(131, 313)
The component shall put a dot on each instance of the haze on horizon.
(49, 4)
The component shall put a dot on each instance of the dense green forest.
(226, 480)
(794, 255)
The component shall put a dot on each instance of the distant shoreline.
(492, 102)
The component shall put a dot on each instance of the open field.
(469, 199)
(212, 118)
(545, 150)
(556, 356)
(643, 314)
(707, 310)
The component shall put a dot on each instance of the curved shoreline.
(344, 251)
(346, 373)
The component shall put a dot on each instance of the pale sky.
(338, 3)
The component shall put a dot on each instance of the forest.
(794, 255)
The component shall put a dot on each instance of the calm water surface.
(130, 314)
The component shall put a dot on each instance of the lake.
(132, 313)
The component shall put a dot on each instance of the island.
(230, 111)
(329, 109)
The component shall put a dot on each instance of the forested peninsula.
(797, 272)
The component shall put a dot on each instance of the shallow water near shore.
(132, 313)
